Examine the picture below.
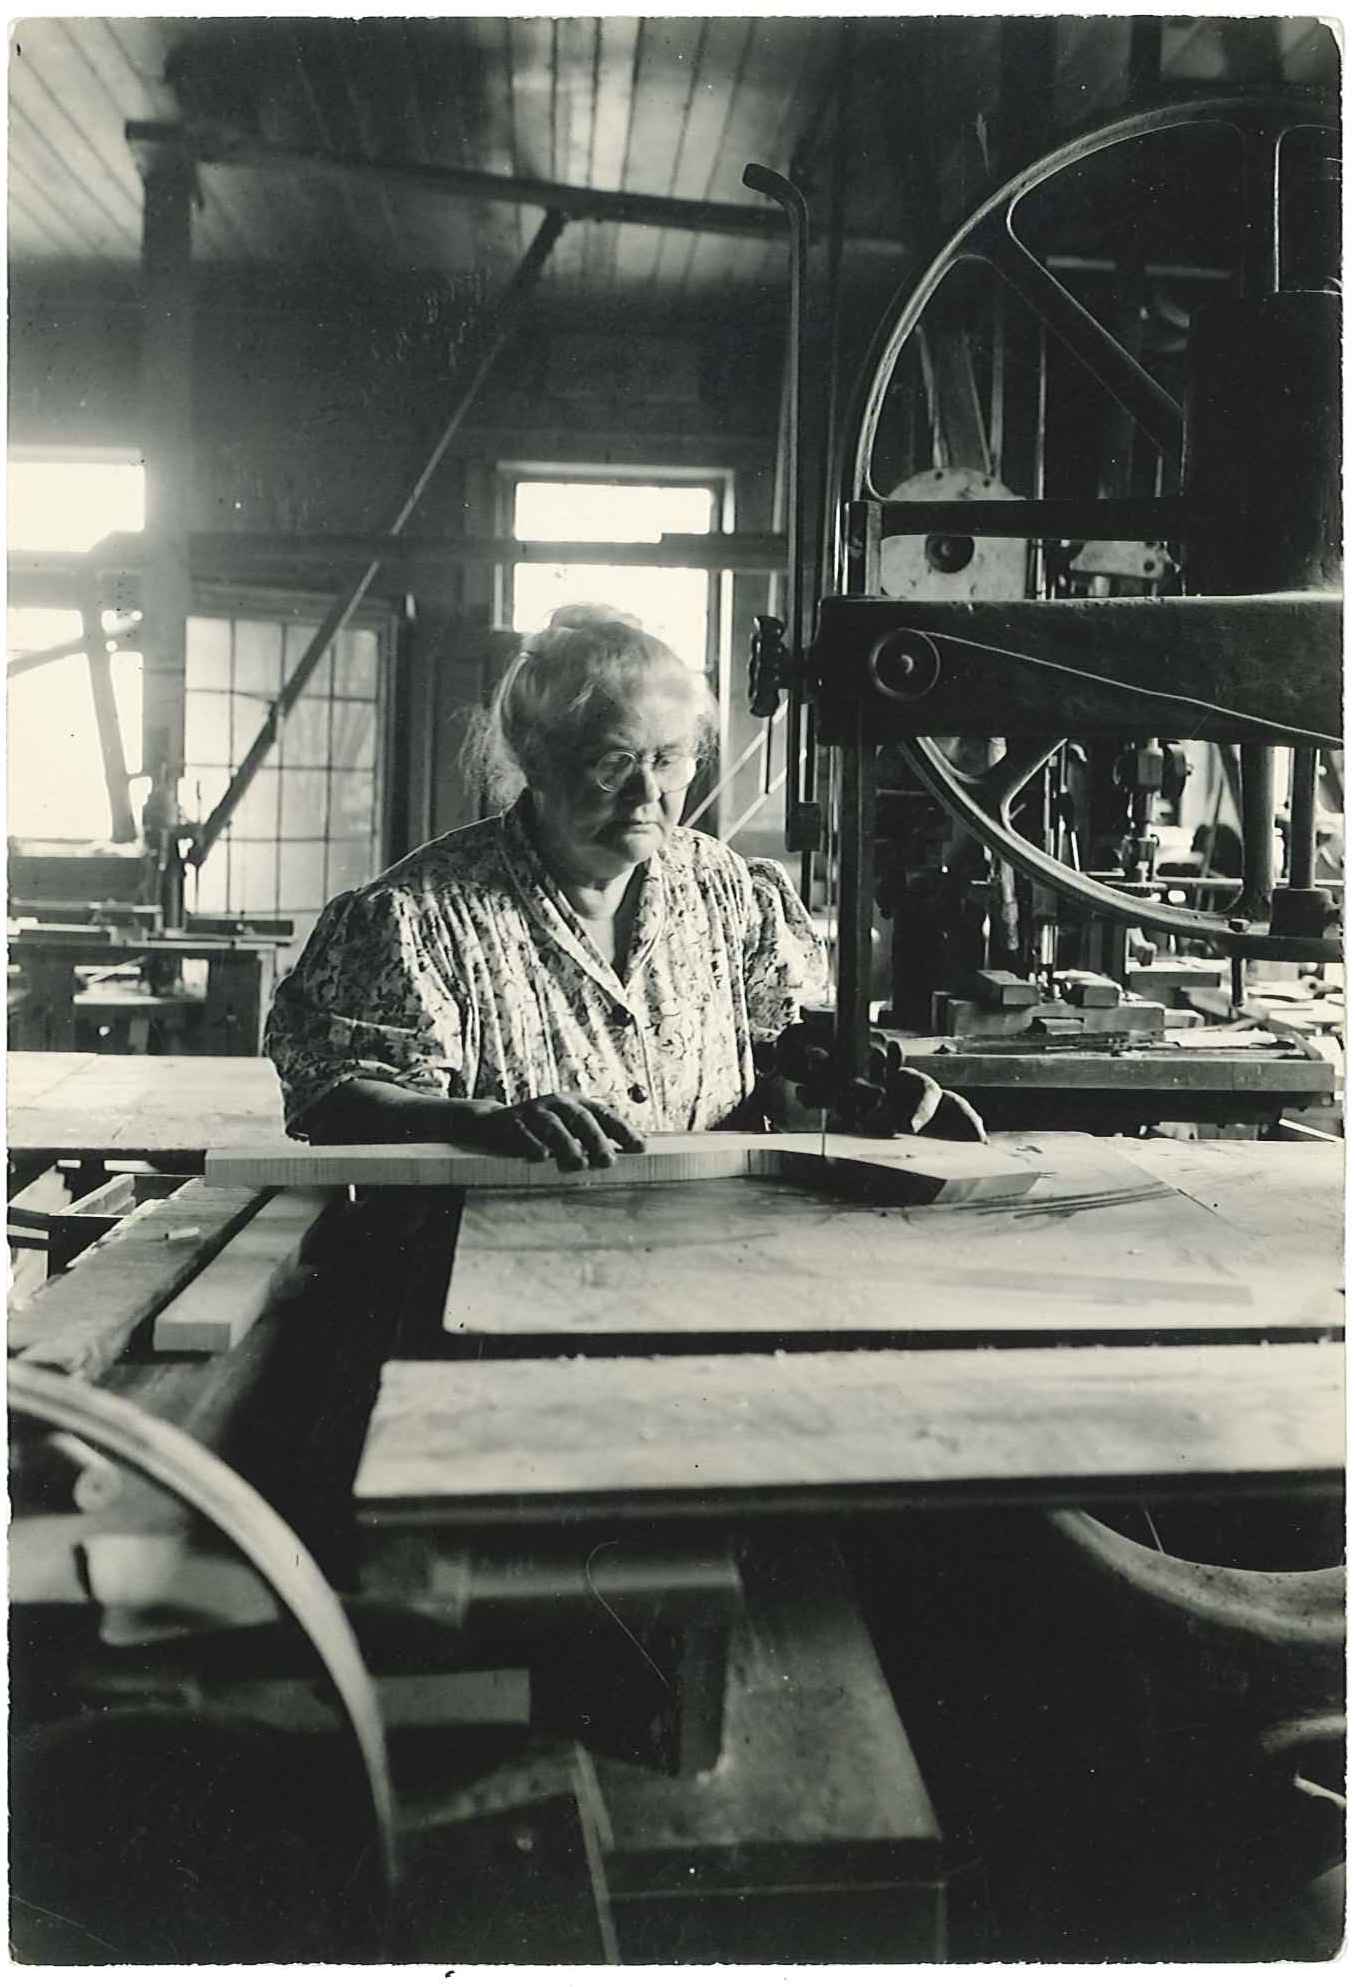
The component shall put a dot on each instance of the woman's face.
(591, 836)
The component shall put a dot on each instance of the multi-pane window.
(56, 788)
(310, 823)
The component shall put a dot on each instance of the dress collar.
(548, 905)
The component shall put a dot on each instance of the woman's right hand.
(574, 1131)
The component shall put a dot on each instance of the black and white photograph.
(674, 1080)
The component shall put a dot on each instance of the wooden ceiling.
(667, 106)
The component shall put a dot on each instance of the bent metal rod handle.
(762, 179)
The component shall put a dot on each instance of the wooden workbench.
(241, 970)
(1118, 1240)
(121, 1106)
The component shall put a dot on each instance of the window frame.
(721, 483)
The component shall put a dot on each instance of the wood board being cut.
(918, 1169)
(510, 1440)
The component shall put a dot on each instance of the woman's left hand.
(890, 1098)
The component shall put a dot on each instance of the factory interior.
(821, 1538)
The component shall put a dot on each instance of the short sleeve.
(785, 967)
(371, 995)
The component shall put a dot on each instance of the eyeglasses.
(613, 770)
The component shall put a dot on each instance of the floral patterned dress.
(463, 972)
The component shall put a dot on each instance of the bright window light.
(669, 601)
(70, 506)
(634, 513)
(55, 787)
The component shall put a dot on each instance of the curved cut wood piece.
(894, 1169)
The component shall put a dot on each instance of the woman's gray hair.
(561, 681)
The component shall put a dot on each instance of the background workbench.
(121, 1106)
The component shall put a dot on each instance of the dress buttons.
(637, 1093)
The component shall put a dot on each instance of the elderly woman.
(575, 972)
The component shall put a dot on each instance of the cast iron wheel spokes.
(990, 237)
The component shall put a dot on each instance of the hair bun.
(590, 614)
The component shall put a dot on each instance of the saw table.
(580, 1463)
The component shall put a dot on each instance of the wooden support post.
(122, 826)
(169, 184)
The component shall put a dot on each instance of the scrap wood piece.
(915, 1169)
(81, 1322)
(216, 1310)
(506, 1440)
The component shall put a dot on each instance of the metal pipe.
(1304, 764)
(169, 186)
(347, 604)
(793, 204)
(1258, 786)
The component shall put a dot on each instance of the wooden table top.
(504, 1440)
(1119, 1239)
(122, 1105)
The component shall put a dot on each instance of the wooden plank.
(1099, 1248)
(81, 1322)
(725, 40)
(614, 103)
(916, 1169)
(505, 1440)
(1196, 1068)
(216, 1310)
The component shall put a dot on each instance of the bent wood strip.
(81, 1322)
(508, 1439)
(906, 1168)
(217, 1309)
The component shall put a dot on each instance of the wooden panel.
(71, 1103)
(438, 80)
(81, 1322)
(130, 54)
(43, 143)
(909, 1169)
(572, 120)
(1097, 1249)
(666, 76)
(750, 1432)
(302, 121)
(773, 66)
(719, 71)
(215, 1311)
(618, 36)
(53, 86)
(489, 110)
